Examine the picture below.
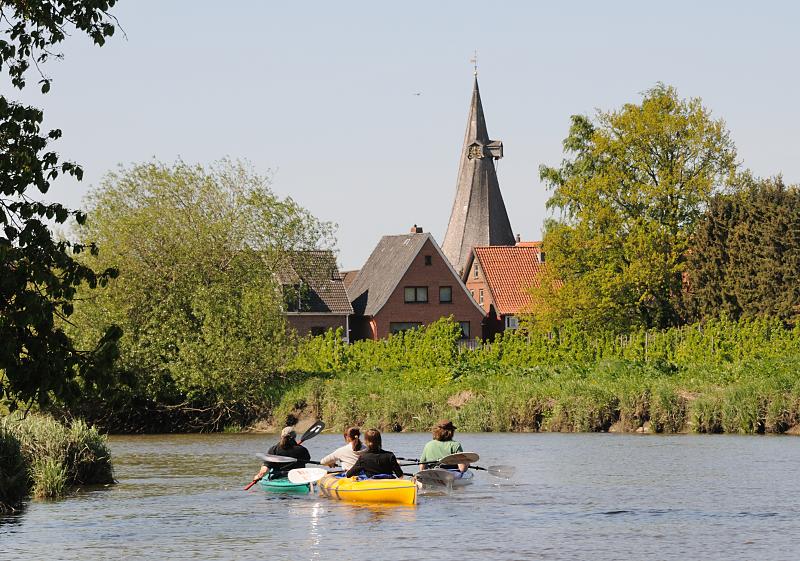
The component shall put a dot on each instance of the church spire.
(479, 215)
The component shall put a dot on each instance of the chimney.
(416, 229)
(519, 238)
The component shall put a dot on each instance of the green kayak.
(283, 485)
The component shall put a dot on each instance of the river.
(574, 496)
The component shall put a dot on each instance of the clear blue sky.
(322, 93)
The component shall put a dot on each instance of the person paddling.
(442, 445)
(348, 454)
(287, 446)
(375, 461)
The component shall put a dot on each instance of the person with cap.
(442, 445)
(287, 446)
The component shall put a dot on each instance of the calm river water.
(582, 496)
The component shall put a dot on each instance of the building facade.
(314, 296)
(500, 278)
(407, 282)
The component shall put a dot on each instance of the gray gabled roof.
(479, 216)
(383, 270)
(319, 274)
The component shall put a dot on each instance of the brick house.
(408, 282)
(314, 297)
(499, 279)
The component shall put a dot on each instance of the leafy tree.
(39, 274)
(629, 196)
(745, 254)
(198, 251)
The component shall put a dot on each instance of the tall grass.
(14, 480)
(760, 395)
(54, 456)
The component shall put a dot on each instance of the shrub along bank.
(42, 457)
(735, 377)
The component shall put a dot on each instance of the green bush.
(50, 456)
(721, 376)
(14, 480)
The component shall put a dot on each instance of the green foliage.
(200, 251)
(39, 275)
(47, 457)
(629, 197)
(13, 472)
(434, 344)
(50, 478)
(745, 255)
(721, 376)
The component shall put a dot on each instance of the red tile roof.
(510, 272)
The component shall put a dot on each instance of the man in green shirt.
(442, 445)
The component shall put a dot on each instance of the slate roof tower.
(479, 215)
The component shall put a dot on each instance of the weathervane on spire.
(474, 61)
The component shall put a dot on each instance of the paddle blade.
(461, 458)
(503, 472)
(306, 475)
(273, 459)
(435, 477)
(312, 431)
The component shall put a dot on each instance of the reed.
(52, 456)
(14, 480)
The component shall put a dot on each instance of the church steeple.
(479, 215)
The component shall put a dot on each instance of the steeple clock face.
(475, 152)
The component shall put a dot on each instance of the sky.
(322, 95)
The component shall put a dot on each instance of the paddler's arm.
(398, 471)
(329, 460)
(261, 472)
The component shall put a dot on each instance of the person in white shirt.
(346, 455)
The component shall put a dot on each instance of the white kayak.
(462, 478)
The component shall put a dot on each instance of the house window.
(317, 331)
(472, 293)
(512, 322)
(464, 329)
(398, 326)
(475, 271)
(416, 294)
(480, 296)
(445, 294)
(428, 260)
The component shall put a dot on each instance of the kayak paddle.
(503, 472)
(452, 459)
(307, 475)
(312, 431)
(273, 459)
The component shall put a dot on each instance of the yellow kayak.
(397, 491)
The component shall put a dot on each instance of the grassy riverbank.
(741, 377)
(42, 457)
(759, 396)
